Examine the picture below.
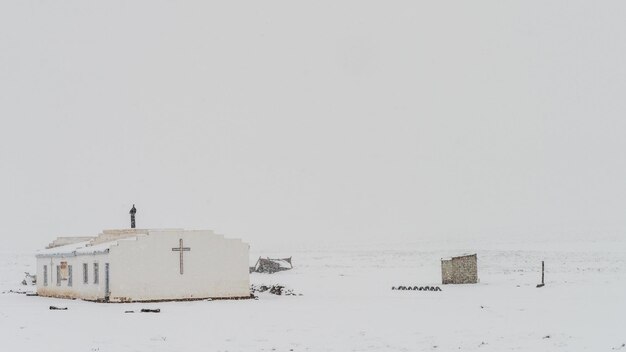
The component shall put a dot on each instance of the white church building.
(136, 265)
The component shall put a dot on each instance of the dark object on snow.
(18, 292)
(132, 213)
(129, 311)
(270, 266)
(274, 289)
(32, 294)
(151, 310)
(29, 279)
(542, 284)
(57, 308)
(416, 288)
(277, 290)
(460, 270)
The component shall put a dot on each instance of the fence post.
(542, 274)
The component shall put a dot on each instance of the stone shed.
(460, 270)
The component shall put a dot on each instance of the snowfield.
(347, 304)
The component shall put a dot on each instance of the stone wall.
(460, 270)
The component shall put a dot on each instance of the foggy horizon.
(290, 124)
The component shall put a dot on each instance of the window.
(69, 275)
(85, 273)
(64, 272)
(45, 275)
(58, 275)
(95, 273)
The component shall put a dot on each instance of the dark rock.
(144, 310)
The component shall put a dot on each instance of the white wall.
(79, 289)
(148, 269)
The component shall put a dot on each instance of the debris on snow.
(416, 288)
(18, 292)
(271, 265)
(57, 308)
(278, 290)
(145, 310)
(29, 280)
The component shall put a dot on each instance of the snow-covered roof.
(65, 240)
(80, 245)
(283, 263)
(93, 246)
(75, 249)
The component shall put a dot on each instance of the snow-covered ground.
(347, 304)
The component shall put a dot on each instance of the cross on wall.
(181, 249)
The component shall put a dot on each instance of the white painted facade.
(146, 265)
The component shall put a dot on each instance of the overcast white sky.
(285, 122)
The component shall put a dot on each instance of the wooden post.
(542, 274)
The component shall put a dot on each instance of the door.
(107, 291)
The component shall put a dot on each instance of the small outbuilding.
(130, 265)
(271, 265)
(460, 270)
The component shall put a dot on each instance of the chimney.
(133, 211)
